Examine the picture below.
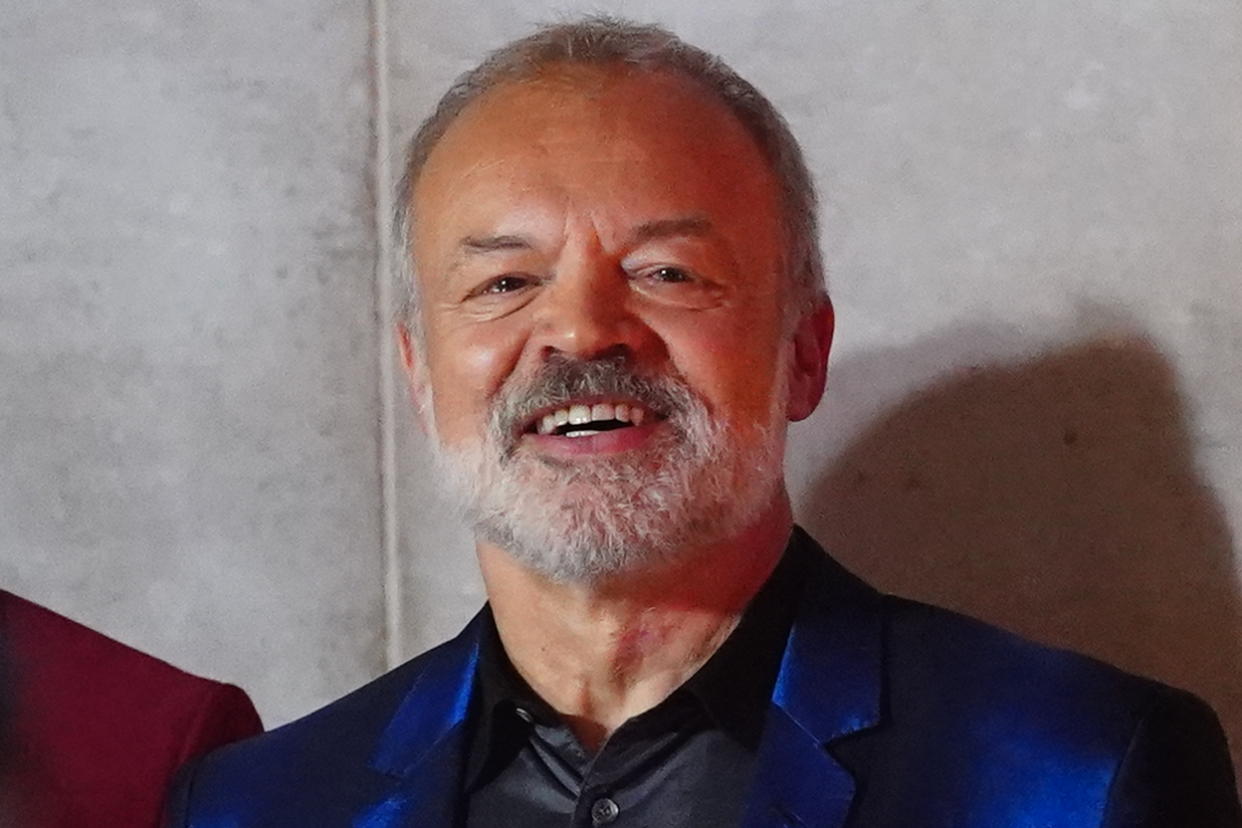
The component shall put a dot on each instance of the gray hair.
(602, 40)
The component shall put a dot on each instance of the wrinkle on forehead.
(615, 147)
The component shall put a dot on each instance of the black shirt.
(685, 763)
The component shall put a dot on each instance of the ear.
(412, 360)
(808, 369)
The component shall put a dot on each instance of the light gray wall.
(187, 336)
(1033, 218)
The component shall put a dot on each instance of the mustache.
(562, 379)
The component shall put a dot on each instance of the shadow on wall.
(1057, 498)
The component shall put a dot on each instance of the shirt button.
(524, 714)
(604, 811)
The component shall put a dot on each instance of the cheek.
(732, 366)
(467, 367)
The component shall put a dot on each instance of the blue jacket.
(886, 713)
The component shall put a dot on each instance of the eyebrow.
(670, 228)
(491, 244)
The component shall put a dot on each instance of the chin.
(699, 483)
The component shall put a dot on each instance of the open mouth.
(585, 419)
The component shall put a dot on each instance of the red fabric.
(92, 730)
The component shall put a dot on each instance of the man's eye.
(669, 275)
(502, 284)
(677, 286)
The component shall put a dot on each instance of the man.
(91, 731)
(616, 307)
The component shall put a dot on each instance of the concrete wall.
(1033, 218)
(187, 335)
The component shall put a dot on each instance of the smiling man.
(615, 310)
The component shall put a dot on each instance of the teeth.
(583, 414)
(586, 432)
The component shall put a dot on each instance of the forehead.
(614, 141)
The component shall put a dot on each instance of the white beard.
(694, 483)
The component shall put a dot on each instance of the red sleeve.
(94, 730)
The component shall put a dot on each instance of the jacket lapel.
(829, 686)
(422, 748)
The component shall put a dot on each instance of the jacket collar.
(422, 747)
(828, 686)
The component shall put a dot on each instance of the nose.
(587, 312)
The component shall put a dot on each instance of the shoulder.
(969, 716)
(336, 733)
(58, 665)
(996, 712)
(934, 661)
(103, 726)
(967, 663)
(316, 765)
(39, 639)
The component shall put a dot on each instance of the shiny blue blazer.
(886, 713)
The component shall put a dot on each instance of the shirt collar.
(734, 685)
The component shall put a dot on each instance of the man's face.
(602, 245)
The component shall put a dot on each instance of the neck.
(602, 652)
